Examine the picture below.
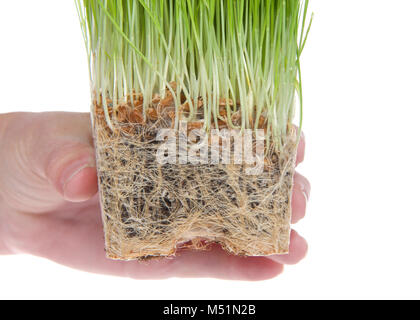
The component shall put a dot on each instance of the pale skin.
(49, 206)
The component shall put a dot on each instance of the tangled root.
(150, 210)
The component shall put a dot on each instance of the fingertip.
(71, 170)
(302, 183)
(259, 268)
(217, 263)
(298, 250)
(298, 204)
(300, 157)
(82, 186)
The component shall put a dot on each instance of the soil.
(150, 210)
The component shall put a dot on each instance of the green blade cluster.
(247, 51)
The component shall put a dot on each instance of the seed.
(122, 113)
(136, 117)
(152, 113)
(167, 101)
(195, 125)
(224, 102)
(156, 98)
(138, 103)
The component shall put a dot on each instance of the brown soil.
(150, 210)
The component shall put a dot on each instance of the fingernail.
(73, 169)
(305, 188)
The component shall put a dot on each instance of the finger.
(216, 263)
(48, 158)
(300, 197)
(301, 149)
(79, 244)
(82, 185)
(297, 250)
(212, 263)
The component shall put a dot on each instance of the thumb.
(47, 159)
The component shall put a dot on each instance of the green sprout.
(244, 51)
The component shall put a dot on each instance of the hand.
(49, 206)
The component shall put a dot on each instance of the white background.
(362, 113)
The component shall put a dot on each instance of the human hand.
(49, 206)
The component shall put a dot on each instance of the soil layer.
(150, 210)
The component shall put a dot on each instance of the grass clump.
(203, 64)
(245, 52)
